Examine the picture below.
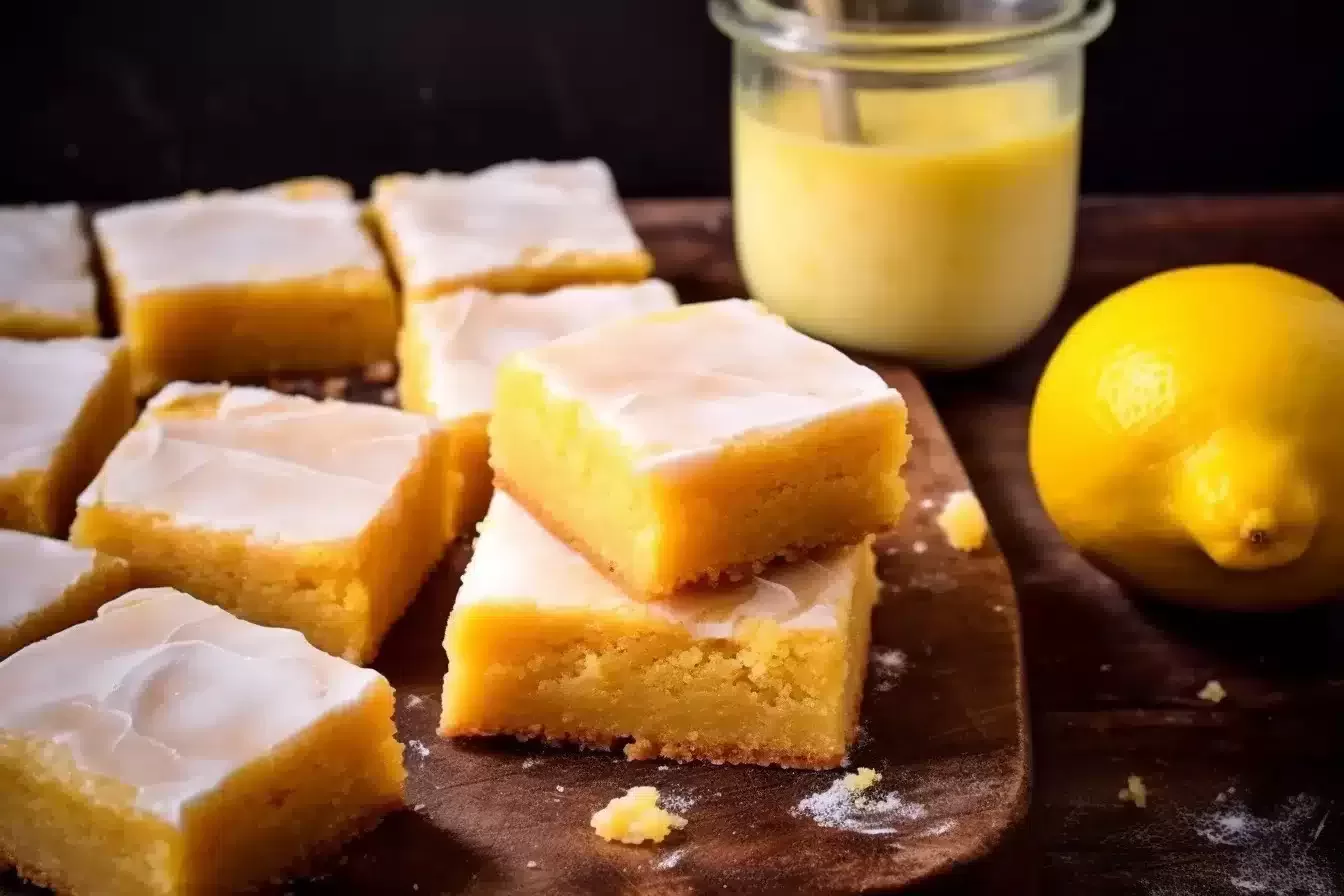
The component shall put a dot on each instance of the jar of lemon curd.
(905, 172)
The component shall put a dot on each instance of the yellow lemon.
(1189, 432)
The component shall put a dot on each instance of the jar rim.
(776, 31)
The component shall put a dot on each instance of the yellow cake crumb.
(636, 818)
(1213, 692)
(963, 521)
(1135, 792)
(857, 782)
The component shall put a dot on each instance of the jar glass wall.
(937, 223)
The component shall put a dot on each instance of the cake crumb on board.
(861, 780)
(636, 818)
(963, 521)
(1213, 692)
(1135, 792)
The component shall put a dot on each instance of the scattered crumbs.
(963, 521)
(1135, 792)
(555, 799)
(380, 372)
(718, 793)
(663, 768)
(1105, 667)
(415, 887)
(420, 749)
(998, 608)
(335, 386)
(1276, 850)
(861, 780)
(531, 864)
(418, 807)
(840, 807)
(927, 503)
(887, 666)
(1213, 692)
(388, 396)
(636, 818)
(919, 546)
(671, 860)
(413, 701)
(559, 788)
(531, 762)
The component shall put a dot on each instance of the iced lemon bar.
(770, 672)
(524, 226)
(63, 404)
(238, 284)
(697, 444)
(323, 517)
(46, 290)
(48, 585)
(450, 349)
(168, 749)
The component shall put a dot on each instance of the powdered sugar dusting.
(1274, 853)
(413, 701)
(839, 807)
(886, 667)
(418, 748)
(675, 802)
(671, 860)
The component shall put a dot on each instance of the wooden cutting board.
(944, 720)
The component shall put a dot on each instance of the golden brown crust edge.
(724, 577)
(642, 748)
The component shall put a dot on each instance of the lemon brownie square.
(166, 748)
(525, 226)
(244, 284)
(65, 403)
(450, 348)
(48, 585)
(323, 517)
(46, 290)
(697, 444)
(771, 671)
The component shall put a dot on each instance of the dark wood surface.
(944, 720)
(1246, 796)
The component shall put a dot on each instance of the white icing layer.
(44, 261)
(35, 573)
(169, 695)
(227, 239)
(468, 334)
(516, 560)
(43, 387)
(277, 467)
(525, 213)
(684, 384)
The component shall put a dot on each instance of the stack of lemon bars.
(675, 553)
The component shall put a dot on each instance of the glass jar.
(905, 173)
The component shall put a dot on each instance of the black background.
(105, 101)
